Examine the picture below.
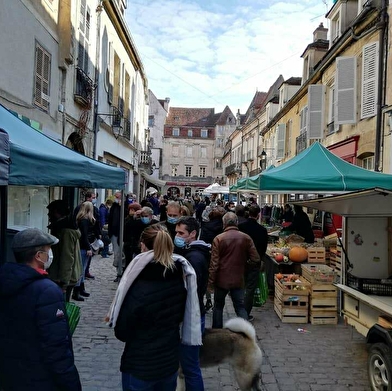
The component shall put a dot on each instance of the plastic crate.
(369, 286)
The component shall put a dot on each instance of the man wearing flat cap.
(36, 349)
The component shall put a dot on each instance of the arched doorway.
(75, 142)
(173, 191)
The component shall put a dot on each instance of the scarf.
(191, 328)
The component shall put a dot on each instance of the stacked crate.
(316, 255)
(323, 303)
(291, 302)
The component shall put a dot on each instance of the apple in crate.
(279, 257)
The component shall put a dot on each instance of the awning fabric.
(152, 180)
(315, 170)
(4, 158)
(38, 160)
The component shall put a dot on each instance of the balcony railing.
(83, 88)
(301, 143)
(233, 169)
(145, 157)
(255, 172)
(127, 129)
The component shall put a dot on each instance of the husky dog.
(235, 344)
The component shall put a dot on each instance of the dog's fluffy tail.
(240, 325)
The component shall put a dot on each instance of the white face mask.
(49, 260)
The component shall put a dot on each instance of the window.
(190, 132)
(368, 163)
(332, 127)
(219, 142)
(281, 141)
(188, 171)
(84, 36)
(175, 150)
(151, 120)
(345, 90)
(203, 152)
(369, 80)
(204, 133)
(335, 27)
(42, 77)
(289, 130)
(176, 132)
(174, 170)
(303, 120)
(202, 172)
(316, 96)
(218, 163)
(188, 151)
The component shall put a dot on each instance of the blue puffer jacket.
(35, 344)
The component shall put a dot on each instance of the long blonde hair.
(156, 237)
(86, 211)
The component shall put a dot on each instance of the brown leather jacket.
(231, 251)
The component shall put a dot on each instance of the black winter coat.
(210, 229)
(36, 348)
(198, 254)
(258, 234)
(149, 323)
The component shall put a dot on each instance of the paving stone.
(326, 357)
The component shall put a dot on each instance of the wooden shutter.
(370, 60)
(280, 141)
(42, 77)
(316, 99)
(111, 72)
(345, 90)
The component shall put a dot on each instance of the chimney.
(166, 104)
(320, 33)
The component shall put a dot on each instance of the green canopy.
(35, 159)
(315, 170)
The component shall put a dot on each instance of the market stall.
(36, 163)
(366, 272)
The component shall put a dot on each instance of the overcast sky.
(213, 53)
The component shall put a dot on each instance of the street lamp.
(263, 161)
(117, 121)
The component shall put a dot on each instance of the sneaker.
(251, 318)
(89, 276)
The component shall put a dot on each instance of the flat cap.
(32, 237)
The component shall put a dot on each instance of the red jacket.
(231, 250)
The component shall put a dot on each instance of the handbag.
(73, 314)
(261, 292)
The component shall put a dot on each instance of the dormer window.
(335, 27)
(204, 133)
(176, 132)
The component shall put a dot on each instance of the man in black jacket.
(36, 348)
(197, 252)
(259, 236)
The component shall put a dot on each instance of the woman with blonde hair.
(157, 293)
(85, 221)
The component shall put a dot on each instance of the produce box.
(316, 255)
(317, 273)
(291, 302)
(324, 317)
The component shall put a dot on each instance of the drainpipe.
(381, 84)
(96, 79)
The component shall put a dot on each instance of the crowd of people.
(175, 257)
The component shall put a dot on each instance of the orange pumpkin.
(298, 254)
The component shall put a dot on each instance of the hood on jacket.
(16, 276)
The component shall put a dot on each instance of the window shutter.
(345, 90)
(369, 80)
(81, 52)
(42, 78)
(281, 141)
(111, 72)
(316, 98)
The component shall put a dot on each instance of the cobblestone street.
(325, 357)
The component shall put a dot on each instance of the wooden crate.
(323, 297)
(323, 317)
(290, 314)
(318, 274)
(291, 302)
(316, 255)
(338, 262)
(332, 257)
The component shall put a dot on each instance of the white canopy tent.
(216, 188)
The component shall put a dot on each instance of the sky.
(213, 53)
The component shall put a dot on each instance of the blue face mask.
(179, 242)
(172, 220)
(145, 220)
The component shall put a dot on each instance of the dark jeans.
(237, 297)
(251, 281)
(131, 383)
(190, 365)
